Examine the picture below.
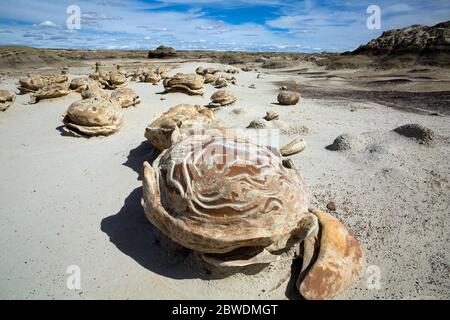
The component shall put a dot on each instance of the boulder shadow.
(136, 157)
(63, 132)
(131, 232)
(291, 291)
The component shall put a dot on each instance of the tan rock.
(293, 147)
(6, 99)
(112, 80)
(126, 97)
(222, 98)
(220, 83)
(116, 79)
(190, 83)
(150, 77)
(92, 90)
(36, 82)
(286, 97)
(136, 74)
(204, 71)
(217, 200)
(340, 261)
(163, 71)
(159, 131)
(210, 78)
(206, 193)
(93, 117)
(79, 84)
(54, 90)
(270, 115)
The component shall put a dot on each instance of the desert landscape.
(367, 130)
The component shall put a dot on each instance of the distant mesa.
(415, 39)
(162, 52)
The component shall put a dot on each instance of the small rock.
(342, 142)
(293, 147)
(421, 134)
(288, 97)
(283, 88)
(331, 206)
(270, 115)
(259, 124)
(252, 86)
(220, 83)
(222, 98)
(353, 109)
(162, 98)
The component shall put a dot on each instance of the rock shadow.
(136, 157)
(131, 232)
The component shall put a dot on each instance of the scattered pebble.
(331, 206)
(270, 115)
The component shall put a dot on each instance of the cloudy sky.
(254, 25)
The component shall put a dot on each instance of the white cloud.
(46, 24)
(338, 25)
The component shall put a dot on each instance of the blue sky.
(250, 25)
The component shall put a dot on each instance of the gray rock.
(421, 134)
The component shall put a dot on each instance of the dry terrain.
(75, 201)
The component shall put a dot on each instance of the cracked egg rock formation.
(93, 117)
(189, 83)
(206, 195)
(35, 82)
(160, 130)
(237, 205)
(126, 97)
(54, 90)
(79, 84)
(222, 98)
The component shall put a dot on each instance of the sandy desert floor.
(73, 201)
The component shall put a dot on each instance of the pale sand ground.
(73, 201)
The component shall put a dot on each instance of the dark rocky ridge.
(415, 39)
(162, 52)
